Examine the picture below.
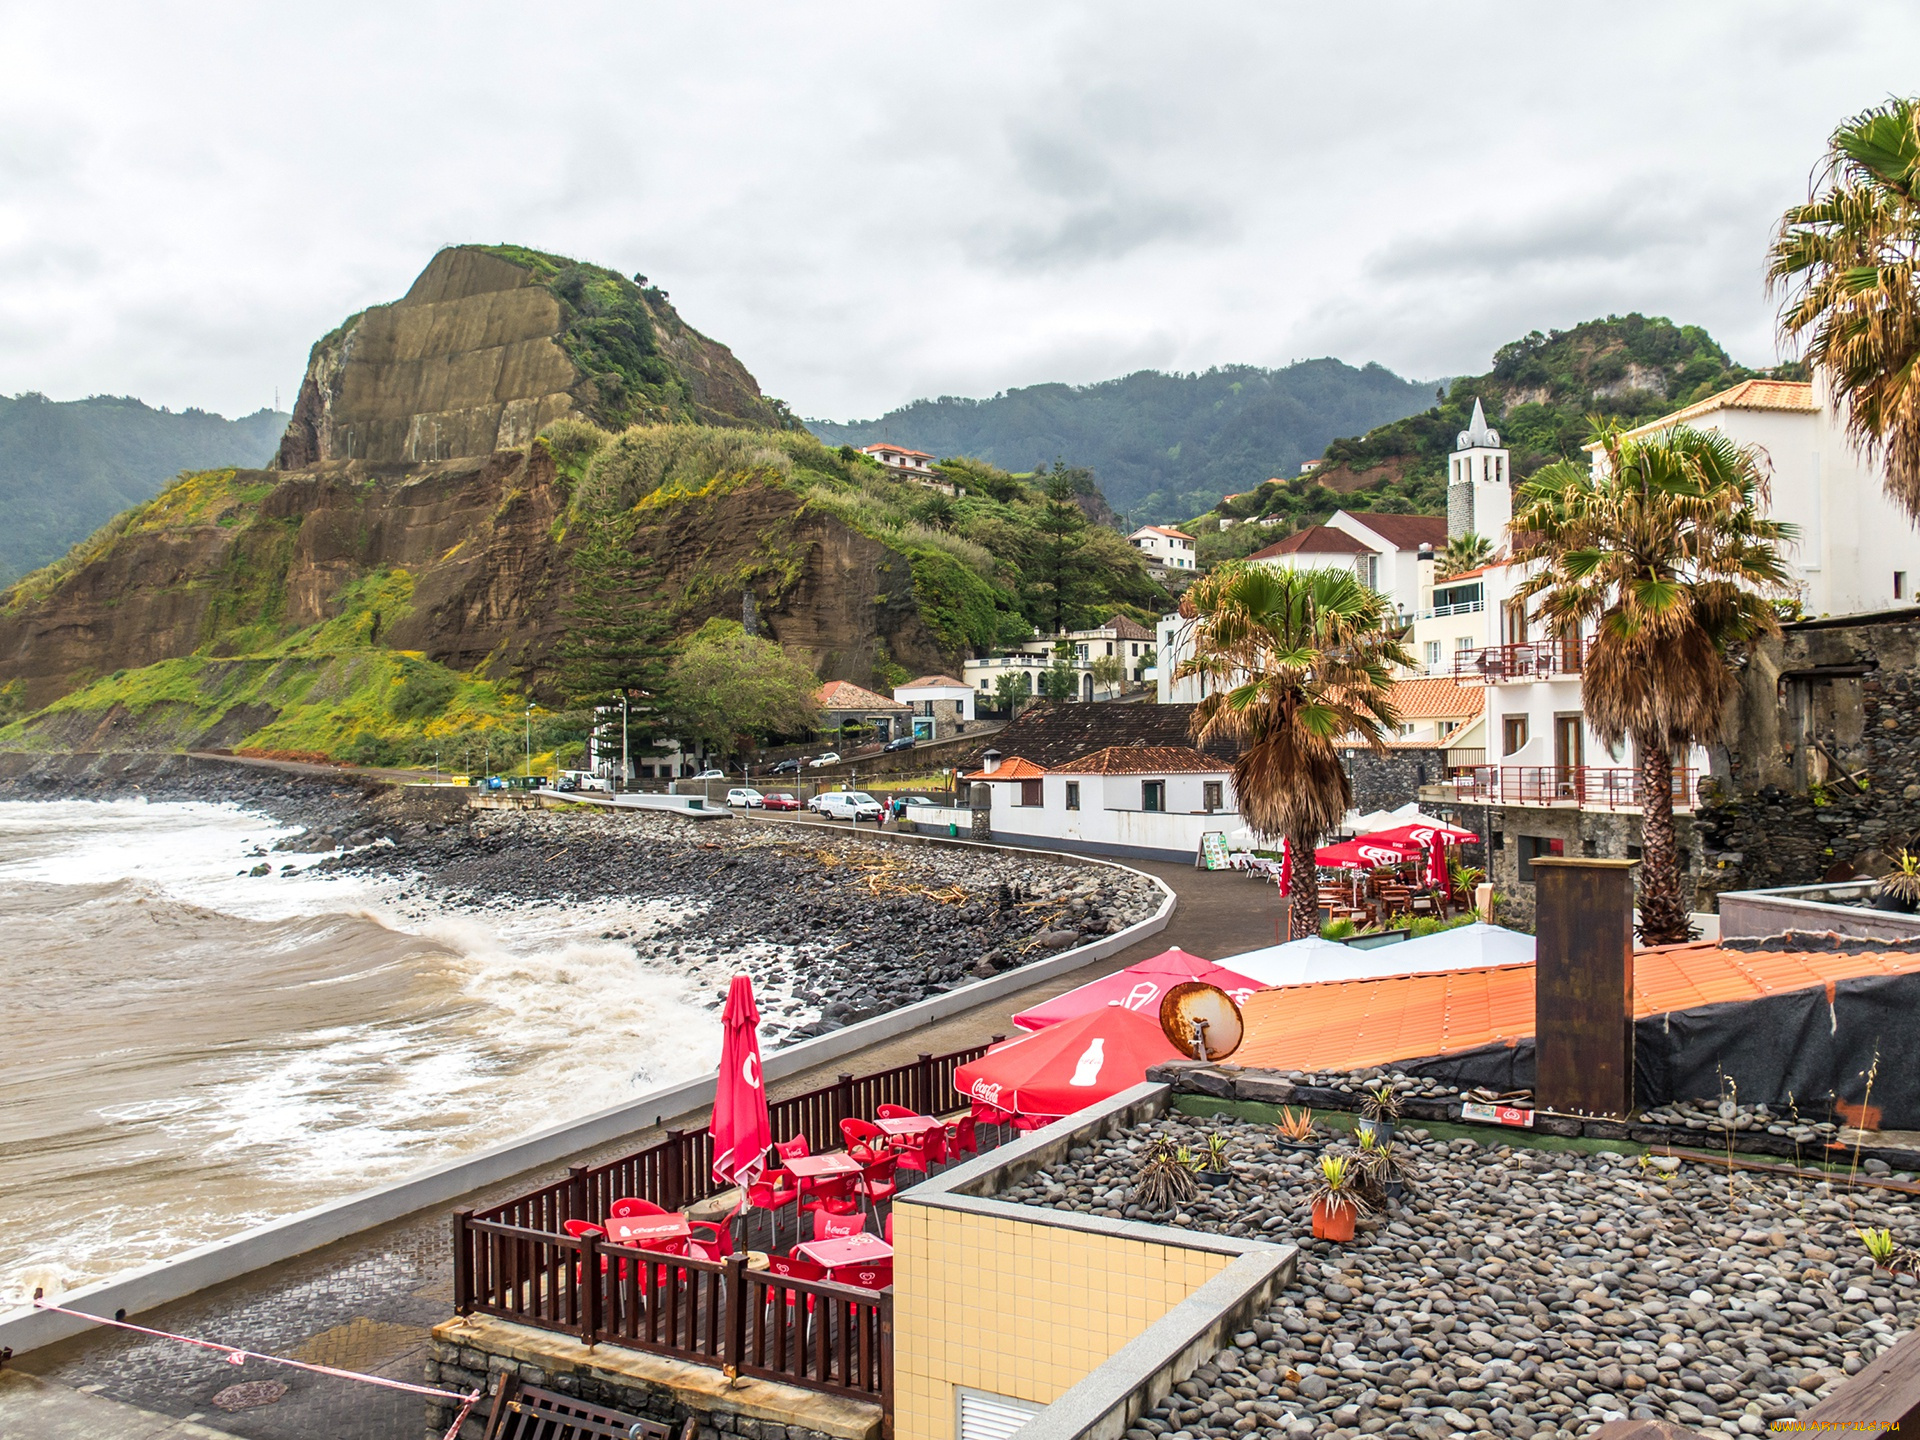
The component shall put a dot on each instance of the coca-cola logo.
(985, 1090)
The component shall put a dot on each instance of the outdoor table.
(640, 1229)
(819, 1167)
(757, 1260)
(908, 1125)
(848, 1250)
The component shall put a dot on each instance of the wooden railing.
(515, 1260)
(1592, 787)
(1531, 660)
(810, 1333)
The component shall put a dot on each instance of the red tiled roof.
(1407, 532)
(1795, 395)
(929, 682)
(1144, 760)
(845, 695)
(1166, 530)
(1315, 540)
(894, 450)
(1474, 574)
(1015, 769)
(1434, 699)
(1125, 629)
(1351, 1024)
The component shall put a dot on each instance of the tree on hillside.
(1463, 553)
(1297, 662)
(1849, 262)
(1058, 576)
(729, 690)
(1669, 556)
(614, 641)
(1109, 673)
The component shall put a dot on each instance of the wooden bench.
(526, 1412)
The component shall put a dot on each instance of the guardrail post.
(886, 1363)
(590, 1282)
(462, 1263)
(923, 1085)
(842, 1100)
(735, 1344)
(577, 1193)
(670, 1178)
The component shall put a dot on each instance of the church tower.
(1479, 488)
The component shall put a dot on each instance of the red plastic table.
(849, 1250)
(817, 1167)
(639, 1229)
(908, 1125)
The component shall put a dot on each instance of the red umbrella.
(741, 1131)
(1437, 873)
(1068, 1066)
(1419, 832)
(1365, 854)
(1138, 987)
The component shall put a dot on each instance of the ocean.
(189, 1050)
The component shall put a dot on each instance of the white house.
(915, 465)
(1128, 641)
(1152, 802)
(940, 705)
(1164, 546)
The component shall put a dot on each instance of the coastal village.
(1355, 960)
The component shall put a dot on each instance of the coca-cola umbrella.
(741, 1129)
(1067, 1066)
(1365, 853)
(1138, 987)
(1420, 832)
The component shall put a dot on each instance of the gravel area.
(1523, 1291)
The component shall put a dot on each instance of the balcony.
(1571, 787)
(1531, 660)
(1465, 607)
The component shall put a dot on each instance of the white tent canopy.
(1313, 960)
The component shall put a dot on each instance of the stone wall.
(1389, 779)
(1821, 769)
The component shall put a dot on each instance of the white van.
(846, 805)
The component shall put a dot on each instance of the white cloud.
(872, 202)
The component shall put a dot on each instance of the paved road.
(367, 1303)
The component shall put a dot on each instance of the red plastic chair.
(876, 1180)
(632, 1205)
(961, 1139)
(716, 1244)
(864, 1139)
(827, 1226)
(832, 1193)
(794, 1267)
(792, 1149)
(577, 1228)
(874, 1276)
(1033, 1122)
(990, 1114)
(772, 1195)
(888, 1230)
(894, 1112)
(912, 1152)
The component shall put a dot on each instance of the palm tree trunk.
(1663, 916)
(1303, 920)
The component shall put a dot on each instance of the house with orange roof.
(843, 704)
(1164, 546)
(915, 466)
(1150, 802)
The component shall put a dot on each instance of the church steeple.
(1479, 492)
(1478, 435)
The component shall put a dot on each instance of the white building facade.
(1151, 802)
(1163, 546)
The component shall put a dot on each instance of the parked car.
(920, 802)
(781, 800)
(711, 775)
(789, 766)
(904, 742)
(832, 757)
(747, 796)
(567, 784)
(846, 805)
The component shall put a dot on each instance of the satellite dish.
(1201, 1021)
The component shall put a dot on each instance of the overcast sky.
(872, 202)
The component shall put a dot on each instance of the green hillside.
(67, 467)
(1542, 394)
(1162, 446)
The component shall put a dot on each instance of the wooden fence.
(516, 1261)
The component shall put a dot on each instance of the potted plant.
(1378, 1111)
(1388, 1172)
(1899, 888)
(1213, 1163)
(1886, 1255)
(1166, 1175)
(1295, 1128)
(1336, 1198)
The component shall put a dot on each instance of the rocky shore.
(837, 927)
(1523, 1291)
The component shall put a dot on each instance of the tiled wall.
(1016, 1308)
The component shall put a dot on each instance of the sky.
(875, 202)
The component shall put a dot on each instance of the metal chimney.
(1583, 985)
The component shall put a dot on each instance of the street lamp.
(623, 739)
(529, 742)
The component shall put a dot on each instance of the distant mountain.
(1162, 446)
(67, 467)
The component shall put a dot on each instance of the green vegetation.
(1541, 395)
(1162, 445)
(66, 468)
(730, 690)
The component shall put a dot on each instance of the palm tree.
(1464, 553)
(1294, 663)
(1849, 262)
(1666, 551)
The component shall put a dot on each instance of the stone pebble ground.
(1523, 1291)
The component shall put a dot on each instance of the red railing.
(514, 1259)
(1531, 660)
(1593, 787)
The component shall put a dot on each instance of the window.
(1030, 792)
(1210, 795)
(1462, 644)
(1899, 584)
(1433, 652)
(1513, 733)
(1153, 795)
(1533, 847)
(1073, 795)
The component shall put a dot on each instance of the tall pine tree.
(1059, 574)
(616, 641)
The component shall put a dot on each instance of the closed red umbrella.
(1068, 1066)
(1366, 853)
(1138, 987)
(1437, 873)
(741, 1130)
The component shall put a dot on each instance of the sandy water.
(186, 1051)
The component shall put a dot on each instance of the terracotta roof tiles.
(1144, 760)
(1793, 395)
(934, 682)
(1407, 532)
(845, 695)
(1315, 540)
(1437, 698)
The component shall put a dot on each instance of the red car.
(781, 802)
